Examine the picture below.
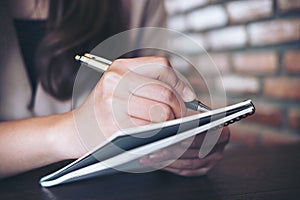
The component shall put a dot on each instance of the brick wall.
(256, 46)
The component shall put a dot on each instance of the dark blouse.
(30, 33)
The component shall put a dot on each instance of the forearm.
(31, 143)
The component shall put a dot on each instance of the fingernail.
(188, 95)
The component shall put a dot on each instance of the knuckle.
(161, 113)
(178, 84)
(110, 77)
(163, 61)
(108, 82)
(188, 164)
(193, 172)
(168, 113)
(118, 62)
(205, 170)
(193, 164)
(163, 67)
(196, 172)
(187, 173)
(168, 95)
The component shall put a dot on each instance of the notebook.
(122, 150)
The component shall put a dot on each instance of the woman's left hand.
(183, 158)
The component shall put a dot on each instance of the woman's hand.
(132, 92)
(141, 91)
(183, 158)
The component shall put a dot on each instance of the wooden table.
(244, 173)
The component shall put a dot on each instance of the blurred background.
(256, 46)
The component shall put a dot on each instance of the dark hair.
(74, 27)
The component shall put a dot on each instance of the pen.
(101, 65)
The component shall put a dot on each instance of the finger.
(198, 172)
(179, 151)
(194, 172)
(177, 164)
(218, 149)
(192, 164)
(193, 142)
(149, 110)
(186, 172)
(173, 152)
(157, 68)
(134, 85)
(169, 155)
(114, 112)
(158, 91)
(196, 142)
(139, 122)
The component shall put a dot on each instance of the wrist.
(65, 138)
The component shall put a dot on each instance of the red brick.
(173, 6)
(267, 114)
(177, 23)
(201, 19)
(255, 62)
(294, 118)
(239, 84)
(242, 11)
(283, 88)
(189, 74)
(291, 61)
(287, 5)
(227, 38)
(192, 44)
(274, 32)
(198, 84)
(219, 61)
(200, 40)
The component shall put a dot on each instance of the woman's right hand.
(132, 92)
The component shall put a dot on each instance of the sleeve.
(147, 13)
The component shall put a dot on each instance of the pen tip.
(77, 57)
